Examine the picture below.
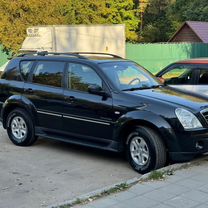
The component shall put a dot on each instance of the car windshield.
(129, 76)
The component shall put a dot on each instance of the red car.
(187, 75)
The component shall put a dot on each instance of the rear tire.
(145, 150)
(20, 128)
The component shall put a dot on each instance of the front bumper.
(189, 144)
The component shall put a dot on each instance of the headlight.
(187, 119)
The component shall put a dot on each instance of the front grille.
(205, 114)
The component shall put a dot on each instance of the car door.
(45, 91)
(201, 86)
(86, 115)
(180, 76)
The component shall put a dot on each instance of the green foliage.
(196, 10)
(119, 11)
(157, 23)
(85, 12)
(163, 17)
(17, 15)
(156, 175)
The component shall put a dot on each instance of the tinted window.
(11, 72)
(203, 77)
(25, 67)
(179, 75)
(82, 76)
(48, 73)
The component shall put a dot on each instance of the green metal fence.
(154, 57)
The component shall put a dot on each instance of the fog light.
(199, 145)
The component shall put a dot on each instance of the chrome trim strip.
(87, 120)
(51, 114)
(75, 118)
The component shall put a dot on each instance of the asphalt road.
(51, 172)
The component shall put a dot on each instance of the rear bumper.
(189, 145)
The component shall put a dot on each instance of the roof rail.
(97, 53)
(45, 53)
(75, 54)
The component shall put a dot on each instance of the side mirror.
(96, 90)
(162, 80)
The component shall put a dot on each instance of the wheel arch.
(17, 102)
(155, 122)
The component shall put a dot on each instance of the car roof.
(72, 57)
(187, 61)
(193, 61)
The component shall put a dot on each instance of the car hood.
(168, 95)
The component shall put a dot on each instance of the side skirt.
(93, 142)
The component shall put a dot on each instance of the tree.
(86, 12)
(195, 10)
(119, 11)
(17, 15)
(157, 24)
(106, 12)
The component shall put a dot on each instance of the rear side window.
(11, 72)
(25, 68)
(48, 73)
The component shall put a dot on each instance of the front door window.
(81, 77)
(181, 75)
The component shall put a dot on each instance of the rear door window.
(48, 73)
(11, 71)
(25, 68)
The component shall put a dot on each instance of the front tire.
(20, 128)
(145, 150)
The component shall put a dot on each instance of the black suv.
(103, 102)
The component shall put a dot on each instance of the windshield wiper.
(136, 88)
(156, 86)
(142, 88)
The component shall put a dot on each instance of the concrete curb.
(129, 182)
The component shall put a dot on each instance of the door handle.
(29, 90)
(70, 99)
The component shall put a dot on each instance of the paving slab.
(186, 188)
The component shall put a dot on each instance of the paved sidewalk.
(187, 188)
